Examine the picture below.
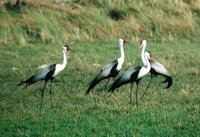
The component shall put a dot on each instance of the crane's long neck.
(147, 63)
(146, 68)
(121, 59)
(64, 59)
(60, 67)
(63, 65)
(144, 61)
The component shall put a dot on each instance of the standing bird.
(134, 74)
(158, 69)
(46, 73)
(110, 70)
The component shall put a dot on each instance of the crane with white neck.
(46, 73)
(109, 70)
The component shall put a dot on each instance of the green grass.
(172, 112)
(34, 36)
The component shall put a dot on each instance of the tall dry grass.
(88, 20)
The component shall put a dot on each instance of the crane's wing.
(128, 76)
(108, 69)
(43, 66)
(105, 72)
(43, 72)
(158, 69)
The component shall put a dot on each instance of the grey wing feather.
(125, 78)
(42, 72)
(105, 71)
(159, 68)
(127, 75)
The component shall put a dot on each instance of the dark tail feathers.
(92, 85)
(168, 79)
(27, 82)
(22, 82)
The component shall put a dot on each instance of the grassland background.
(33, 35)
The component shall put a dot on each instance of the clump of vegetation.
(117, 14)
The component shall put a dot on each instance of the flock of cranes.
(133, 75)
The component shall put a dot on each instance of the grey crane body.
(42, 74)
(130, 76)
(159, 69)
(110, 70)
(46, 73)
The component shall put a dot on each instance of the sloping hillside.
(60, 20)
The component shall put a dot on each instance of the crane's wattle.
(124, 41)
(68, 49)
(152, 55)
(140, 42)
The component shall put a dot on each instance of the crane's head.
(142, 43)
(66, 48)
(122, 42)
(149, 54)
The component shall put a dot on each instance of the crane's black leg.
(136, 94)
(131, 92)
(147, 86)
(51, 92)
(42, 94)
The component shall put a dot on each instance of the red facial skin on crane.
(68, 49)
(124, 42)
(152, 55)
(140, 42)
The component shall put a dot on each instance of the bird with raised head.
(109, 70)
(46, 73)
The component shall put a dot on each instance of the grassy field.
(25, 46)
